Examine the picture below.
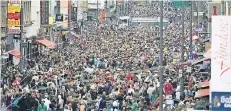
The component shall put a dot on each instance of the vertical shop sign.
(13, 16)
(44, 12)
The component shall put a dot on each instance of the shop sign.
(12, 23)
(14, 31)
(44, 12)
(59, 17)
(13, 9)
(17, 36)
(221, 101)
(13, 15)
(14, 1)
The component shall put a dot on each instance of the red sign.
(214, 10)
(168, 89)
(13, 15)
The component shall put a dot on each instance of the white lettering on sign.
(226, 101)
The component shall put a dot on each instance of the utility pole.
(69, 26)
(223, 9)
(69, 17)
(161, 57)
(21, 40)
(182, 53)
(1, 59)
(97, 12)
(124, 7)
(77, 10)
(191, 20)
(198, 3)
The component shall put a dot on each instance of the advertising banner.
(221, 101)
(44, 12)
(220, 82)
(13, 15)
(221, 51)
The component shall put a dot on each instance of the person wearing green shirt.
(42, 107)
(134, 105)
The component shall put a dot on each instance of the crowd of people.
(111, 70)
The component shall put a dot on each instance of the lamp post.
(191, 19)
(182, 54)
(161, 57)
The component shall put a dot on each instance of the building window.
(27, 12)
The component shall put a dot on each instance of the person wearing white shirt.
(60, 102)
(47, 101)
(115, 105)
(150, 90)
(130, 90)
(178, 92)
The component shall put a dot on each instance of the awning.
(206, 40)
(208, 54)
(202, 93)
(200, 60)
(46, 42)
(204, 84)
(15, 53)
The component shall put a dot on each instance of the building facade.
(31, 17)
(3, 18)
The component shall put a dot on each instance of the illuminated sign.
(44, 12)
(13, 15)
(13, 9)
(12, 23)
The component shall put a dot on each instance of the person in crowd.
(42, 106)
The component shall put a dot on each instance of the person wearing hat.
(42, 106)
